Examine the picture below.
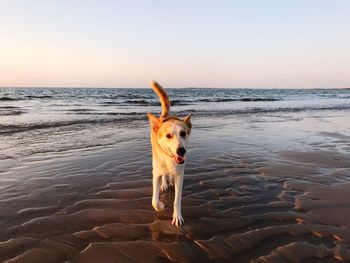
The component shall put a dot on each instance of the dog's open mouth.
(179, 159)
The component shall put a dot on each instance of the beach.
(267, 177)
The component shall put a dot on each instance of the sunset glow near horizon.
(238, 44)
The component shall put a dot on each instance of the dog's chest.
(174, 169)
(169, 167)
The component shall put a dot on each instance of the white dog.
(169, 138)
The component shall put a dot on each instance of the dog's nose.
(181, 151)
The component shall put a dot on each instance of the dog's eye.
(183, 134)
(168, 136)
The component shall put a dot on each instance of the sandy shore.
(257, 189)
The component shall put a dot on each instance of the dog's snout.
(181, 151)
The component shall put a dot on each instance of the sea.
(42, 120)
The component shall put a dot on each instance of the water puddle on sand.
(246, 204)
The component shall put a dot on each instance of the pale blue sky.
(261, 43)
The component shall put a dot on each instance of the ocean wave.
(151, 101)
(262, 110)
(92, 112)
(144, 102)
(10, 113)
(9, 107)
(183, 102)
(10, 110)
(8, 99)
(235, 99)
(119, 119)
(80, 110)
(140, 102)
(38, 96)
(258, 99)
(26, 97)
(271, 110)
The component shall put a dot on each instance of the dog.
(169, 139)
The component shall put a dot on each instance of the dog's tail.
(163, 96)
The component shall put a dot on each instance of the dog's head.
(172, 135)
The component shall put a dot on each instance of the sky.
(183, 43)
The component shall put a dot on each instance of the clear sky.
(247, 43)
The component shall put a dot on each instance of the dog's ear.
(187, 120)
(154, 122)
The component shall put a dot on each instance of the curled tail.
(163, 96)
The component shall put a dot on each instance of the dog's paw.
(177, 219)
(164, 187)
(158, 206)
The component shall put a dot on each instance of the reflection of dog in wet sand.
(169, 138)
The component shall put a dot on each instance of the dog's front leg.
(177, 216)
(158, 206)
(164, 185)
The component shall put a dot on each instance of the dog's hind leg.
(158, 205)
(164, 185)
(177, 216)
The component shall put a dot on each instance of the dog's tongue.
(180, 159)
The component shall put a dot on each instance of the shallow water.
(263, 187)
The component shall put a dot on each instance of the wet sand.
(257, 189)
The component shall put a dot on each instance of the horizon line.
(193, 87)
